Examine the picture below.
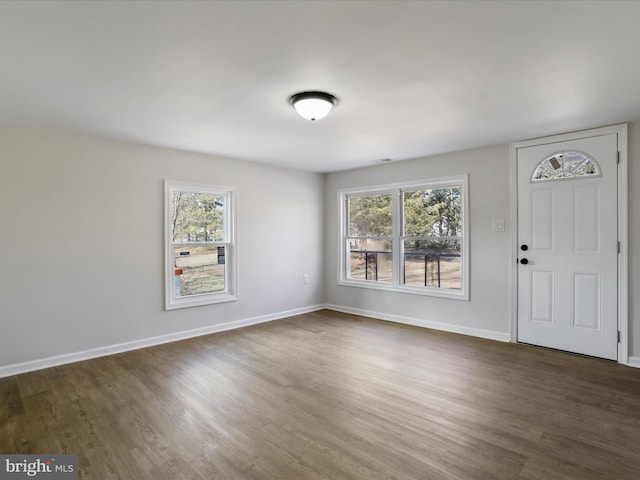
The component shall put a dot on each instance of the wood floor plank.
(11, 399)
(326, 396)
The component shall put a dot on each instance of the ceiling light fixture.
(313, 105)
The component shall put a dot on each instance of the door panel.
(542, 292)
(586, 301)
(542, 219)
(586, 218)
(567, 289)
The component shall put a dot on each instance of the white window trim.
(395, 190)
(230, 292)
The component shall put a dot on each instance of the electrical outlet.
(305, 279)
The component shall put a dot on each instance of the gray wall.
(82, 242)
(487, 313)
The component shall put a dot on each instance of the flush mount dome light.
(313, 105)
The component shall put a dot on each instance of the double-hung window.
(199, 244)
(409, 237)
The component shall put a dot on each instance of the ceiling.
(412, 78)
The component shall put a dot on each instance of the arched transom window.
(564, 165)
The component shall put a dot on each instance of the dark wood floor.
(334, 397)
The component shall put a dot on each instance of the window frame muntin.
(229, 294)
(397, 219)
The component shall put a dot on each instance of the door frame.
(623, 205)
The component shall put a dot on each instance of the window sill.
(199, 300)
(423, 291)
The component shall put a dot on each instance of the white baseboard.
(39, 364)
(634, 362)
(418, 322)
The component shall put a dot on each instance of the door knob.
(524, 261)
(524, 247)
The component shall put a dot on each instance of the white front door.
(568, 245)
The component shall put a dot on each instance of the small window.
(565, 165)
(199, 226)
(407, 237)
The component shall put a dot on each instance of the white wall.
(81, 243)
(487, 312)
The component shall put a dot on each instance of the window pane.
(433, 212)
(370, 259)
(565, 165)
(370, 215)
(197, 217)
(433, 263)
(199, 270)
